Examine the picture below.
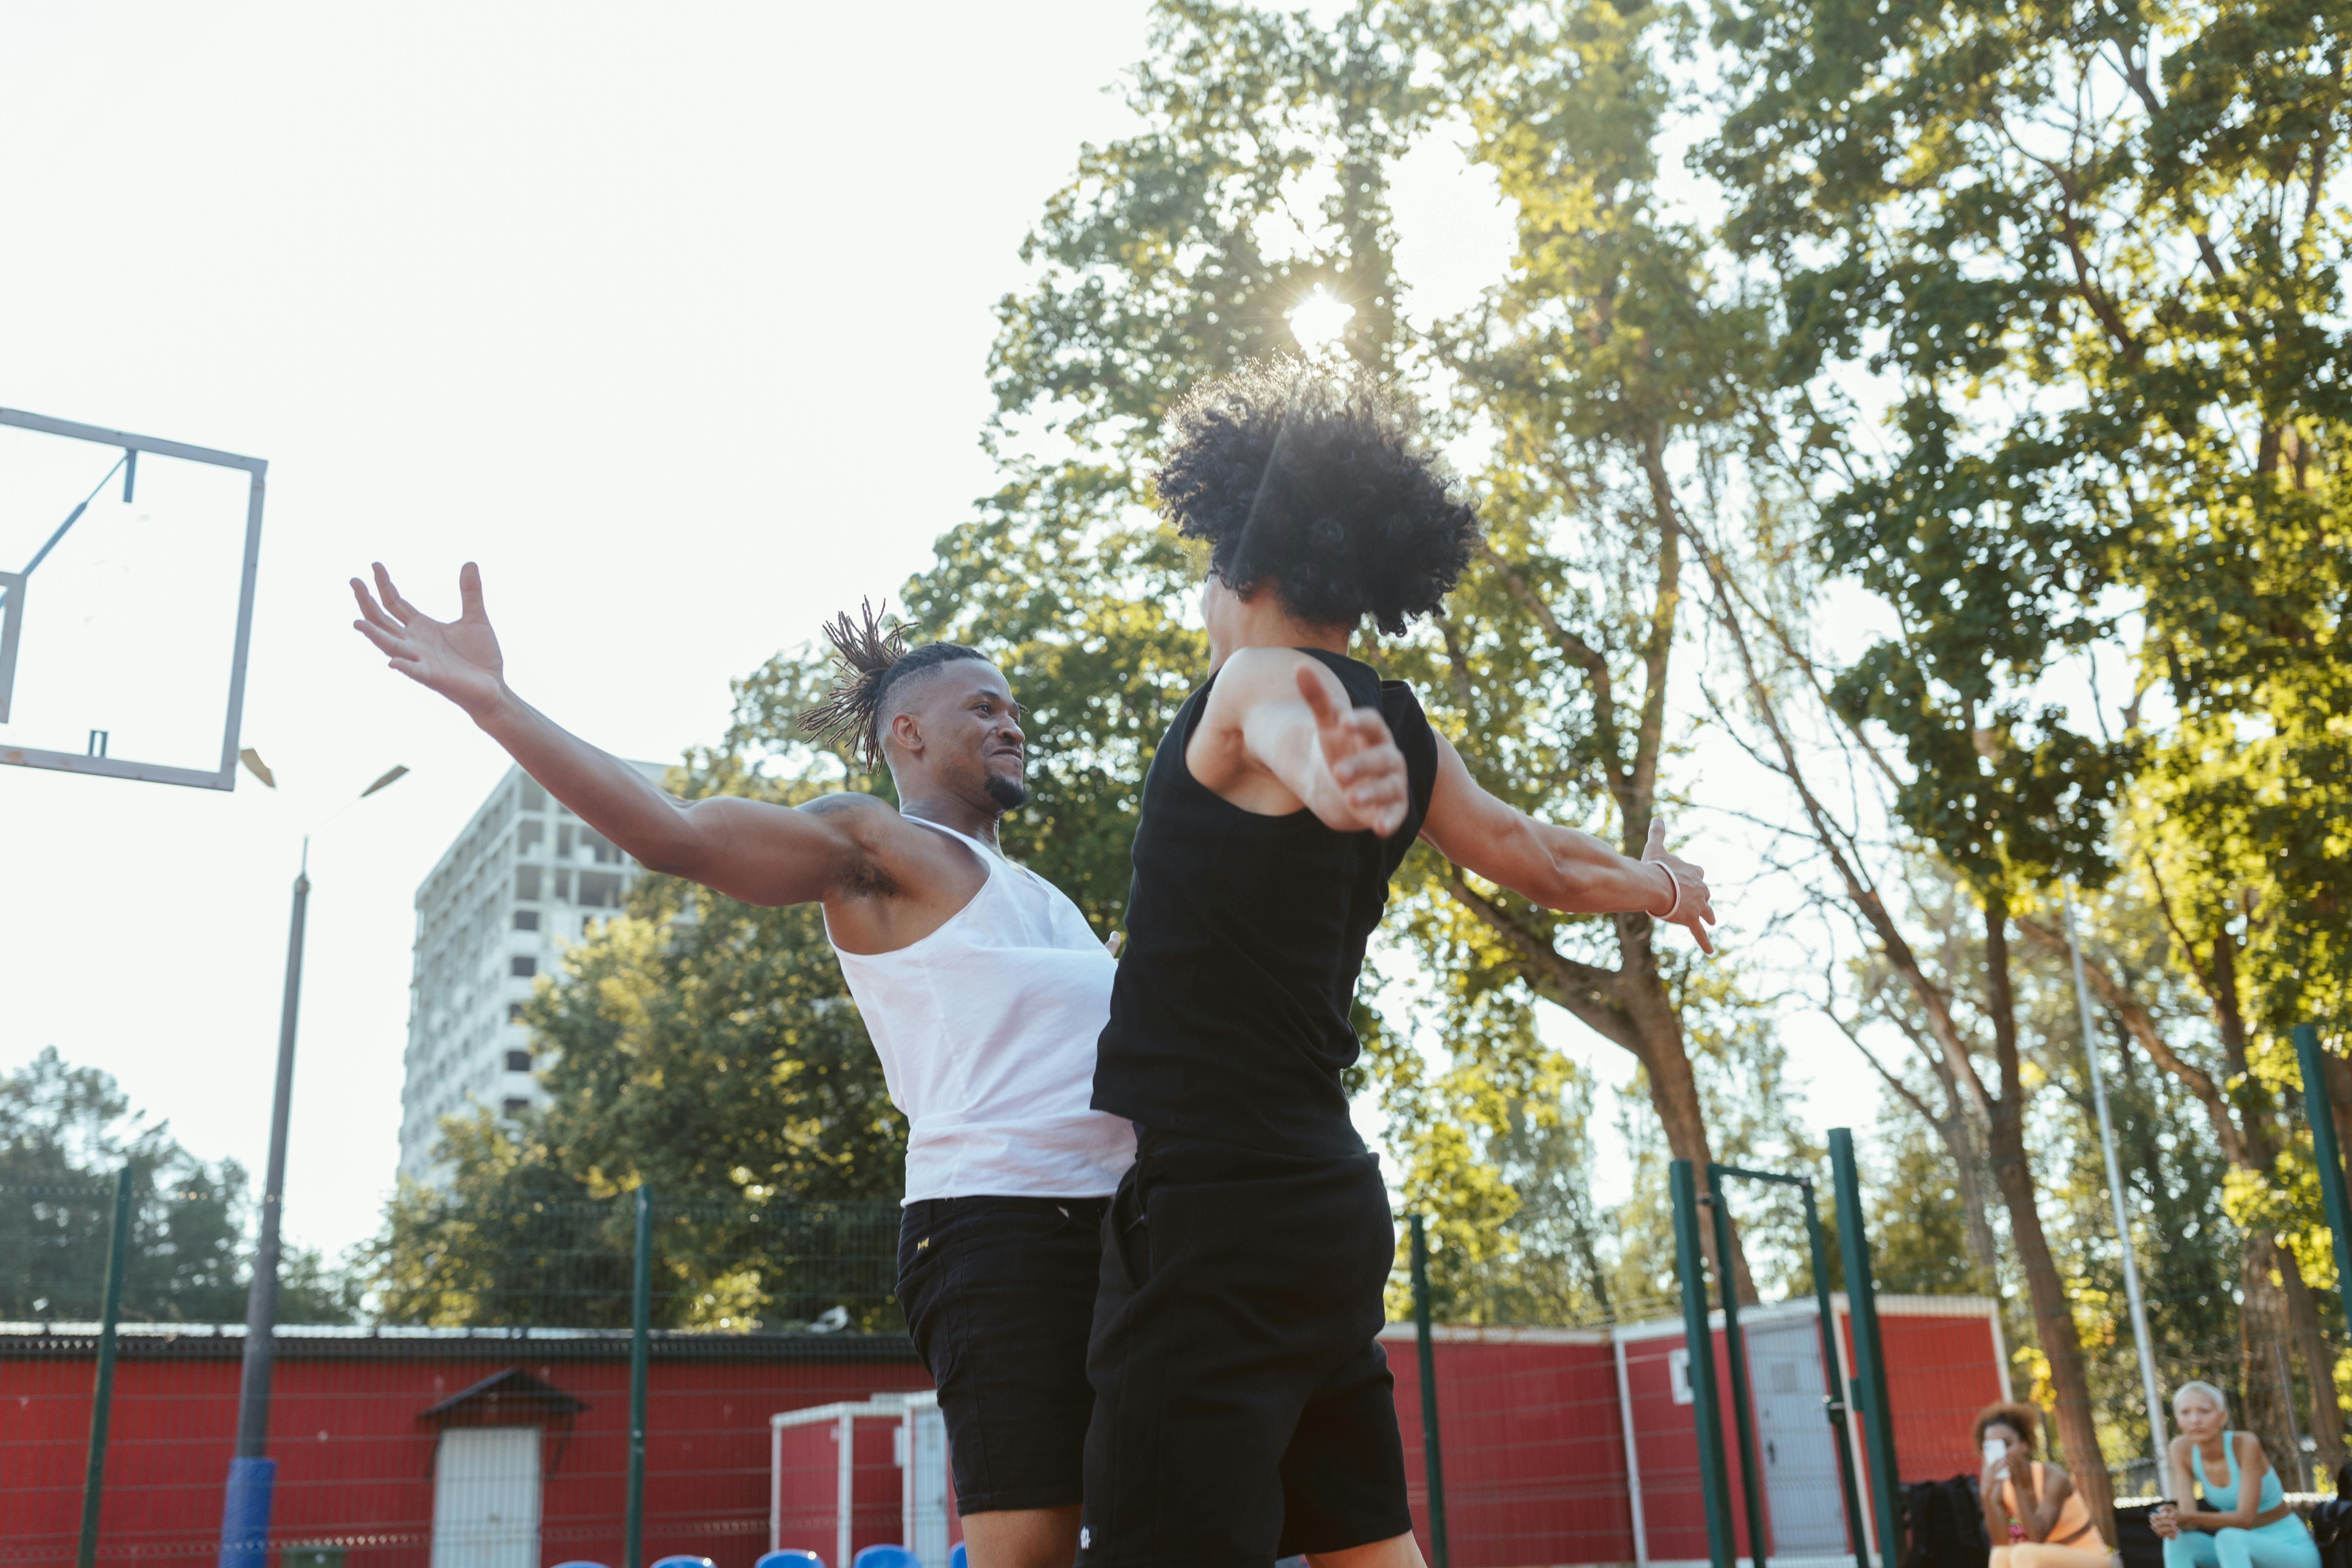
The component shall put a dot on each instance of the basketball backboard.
(126, 601)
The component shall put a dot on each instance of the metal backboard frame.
(12, 585)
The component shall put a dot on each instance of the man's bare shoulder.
(850, 803)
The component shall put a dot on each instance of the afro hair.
(1314, 476)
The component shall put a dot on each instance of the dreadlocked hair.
(871, 659)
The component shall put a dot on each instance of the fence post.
(101, 1400)
(1698, 1346)
(633, 1553)
(1432, 1458)
(1833, 1404)
(2329, 1158)
(1869, 1393)
(1735, 1349)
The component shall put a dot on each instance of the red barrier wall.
(1534, 1428)
(1535, 1456)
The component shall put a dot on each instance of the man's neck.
(949, 811)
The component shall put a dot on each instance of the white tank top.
(986, 1029)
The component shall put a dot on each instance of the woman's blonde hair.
(2220, 1400)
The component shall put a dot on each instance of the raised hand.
(1366, 767)
(1693, 905)
(459, 658)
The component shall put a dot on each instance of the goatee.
(1011, 795)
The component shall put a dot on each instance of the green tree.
(1262, 172)
(64, 1131)
(2089, 253)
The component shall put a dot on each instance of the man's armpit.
(864, 876)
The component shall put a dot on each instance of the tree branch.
(1585, 990)
(1581, 654)
(2141, 1025)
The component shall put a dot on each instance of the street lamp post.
(252, 1474)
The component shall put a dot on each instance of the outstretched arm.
(1560, 867)
(748, 849)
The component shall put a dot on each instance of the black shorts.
(998, 1294)
(1243, 1409)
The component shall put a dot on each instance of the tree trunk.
(1629, 1008)
(2053, 1319)
(1674, 1091)
(2054, 1315)
(2264, 1368)
(1968, 1164)
(2326, 1413)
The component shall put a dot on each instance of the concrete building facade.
(524, 879)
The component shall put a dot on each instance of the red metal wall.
(355, 1463)
(1534, 1460)
(1534, 1441)
(1940, 1370)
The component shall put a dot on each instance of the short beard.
(1010, 795)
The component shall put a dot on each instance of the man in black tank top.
(1242, 1404)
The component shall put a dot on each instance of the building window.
(563, 841)
(526, 920)
(514, 1012)
(522, 967)
(517, 1061)
(600, 848)
(600, 889)
(527, 881)
(563, 884)
(533, 797)
(513, 1106)
(528, 836)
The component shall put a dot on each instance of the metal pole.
(252, 1475)
(2140, 1337)
(1833, 1404)
(641, 1311)
(2318, 1110)
(101, 1399)
(1432, 1458)
(1869, 1393)
(1698, 1344)
(1735, 1348)
(2330, 1158)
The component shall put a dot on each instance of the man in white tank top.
(983, 987)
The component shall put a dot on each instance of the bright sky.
(674, 318)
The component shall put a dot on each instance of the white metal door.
(1801, 1469)
(486, 1498)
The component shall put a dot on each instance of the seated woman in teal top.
(2232, 1528)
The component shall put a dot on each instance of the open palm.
(457, 658)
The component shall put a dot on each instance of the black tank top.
(1244, 936)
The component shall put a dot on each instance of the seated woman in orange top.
(2032, 1511)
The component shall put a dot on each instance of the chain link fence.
(469, 1397)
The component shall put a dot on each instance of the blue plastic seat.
(958, 1558)
(790, 1559)
(881, 1557)
(685, 1560)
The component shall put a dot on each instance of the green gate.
(1867, 1396)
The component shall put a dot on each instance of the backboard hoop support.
(12, 585)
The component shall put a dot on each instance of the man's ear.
(906, 732)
